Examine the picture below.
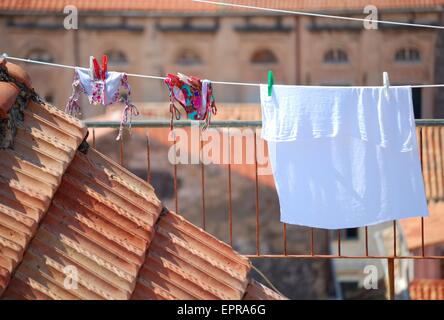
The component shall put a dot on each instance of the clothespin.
(104, 67)
(94, 68)
(184, 78)
(91, 67)
(3, 57)
(270, 82)
(386, 80)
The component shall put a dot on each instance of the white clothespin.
(386, 80)
(91, 68)
(183, 77)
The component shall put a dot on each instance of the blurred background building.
(157, 37)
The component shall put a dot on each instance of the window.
(336, 56)
(352, 234)
(408, 55)
(188, 58)
(116, 57)
(264, 57)
(40, 55)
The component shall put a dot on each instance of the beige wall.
(226, 55)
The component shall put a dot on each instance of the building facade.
(231, 45)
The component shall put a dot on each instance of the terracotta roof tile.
(433, 227)
(257, 291)
(62, 211)
(188, 6)
(8, 94)
(30, 173)
(427, 290)
(184, 262)
(433, 162)
(101, 222)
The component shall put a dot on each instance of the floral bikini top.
(102, 88)
(194, 95)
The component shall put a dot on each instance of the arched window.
(263, 57)
(40, 55)
(408, 55)
(336, 56)
(116, 57)
(188, 58)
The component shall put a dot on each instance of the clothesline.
(320, 15)
(128, 74)
(163, 78)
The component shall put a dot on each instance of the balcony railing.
(430, 135)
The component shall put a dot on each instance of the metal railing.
(434, 130)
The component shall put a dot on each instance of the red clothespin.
(94, 68)
(104, 66)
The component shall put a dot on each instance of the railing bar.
(329, 256)
(257, 197)
(391, 277)
(312, 250)
(441, 152)
(148, 157)
(284, 230)
(339, 242)
(202, 180)
(214, 124)
(121, 151)
(422, 237)
(435, 159)
(94, 138)
(366, 241)
(422, 170)
(394, 239)
(230, 203)
(440, 160)
(176, 196)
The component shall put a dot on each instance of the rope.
(319, 15)
(163, 78)
(266, 280)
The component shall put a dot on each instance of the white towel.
(343, 157)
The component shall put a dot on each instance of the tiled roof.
(427, 290)
(101, 222)
(433, 230)
(257, 291)
(184, 262)
(433, 162)
(189, 6)
(67, 214)
(30, 174)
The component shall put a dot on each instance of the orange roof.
(257, 291)
(30, 174)
(433, 227)
(62, 207)
(101, 221)
(184, 262)
(189, 6)
(427, 290)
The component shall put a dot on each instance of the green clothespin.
(270, 82)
